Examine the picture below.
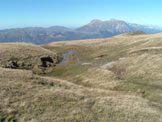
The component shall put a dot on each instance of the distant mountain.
(115, 27)
(94, 29)
(111, 27)
(36, 35)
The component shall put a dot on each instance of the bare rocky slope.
(116, 79)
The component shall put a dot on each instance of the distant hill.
(94, 29)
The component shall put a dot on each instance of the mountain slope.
(28, 57)
(105, 80)
(113, 27)
(95, 29)
(36, 35)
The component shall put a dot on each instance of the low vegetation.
(116, 80)
(27, 56)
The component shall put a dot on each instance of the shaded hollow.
(46, 61)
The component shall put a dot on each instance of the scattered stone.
(12, 64)
(108, 65)
(84, 64)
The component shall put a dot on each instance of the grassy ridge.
(116, 80)
(137, 66)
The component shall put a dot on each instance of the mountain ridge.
(95, 29)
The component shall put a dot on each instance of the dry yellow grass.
(123, 83)
(26, 56)
(35, 98)
(136, 69)
(21, 50)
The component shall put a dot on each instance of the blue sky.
(72, 13)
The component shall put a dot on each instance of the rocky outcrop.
(45, 61)
(27, 56)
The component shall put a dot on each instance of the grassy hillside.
(34, 98)
(117, 80)
(25, 56)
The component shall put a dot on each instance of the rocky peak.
(96, 21)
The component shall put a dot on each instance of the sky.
(74, 13)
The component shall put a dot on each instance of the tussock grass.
(51, 99)
(21, 50)
(136, 71)
(128, 90)
(27, 56)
